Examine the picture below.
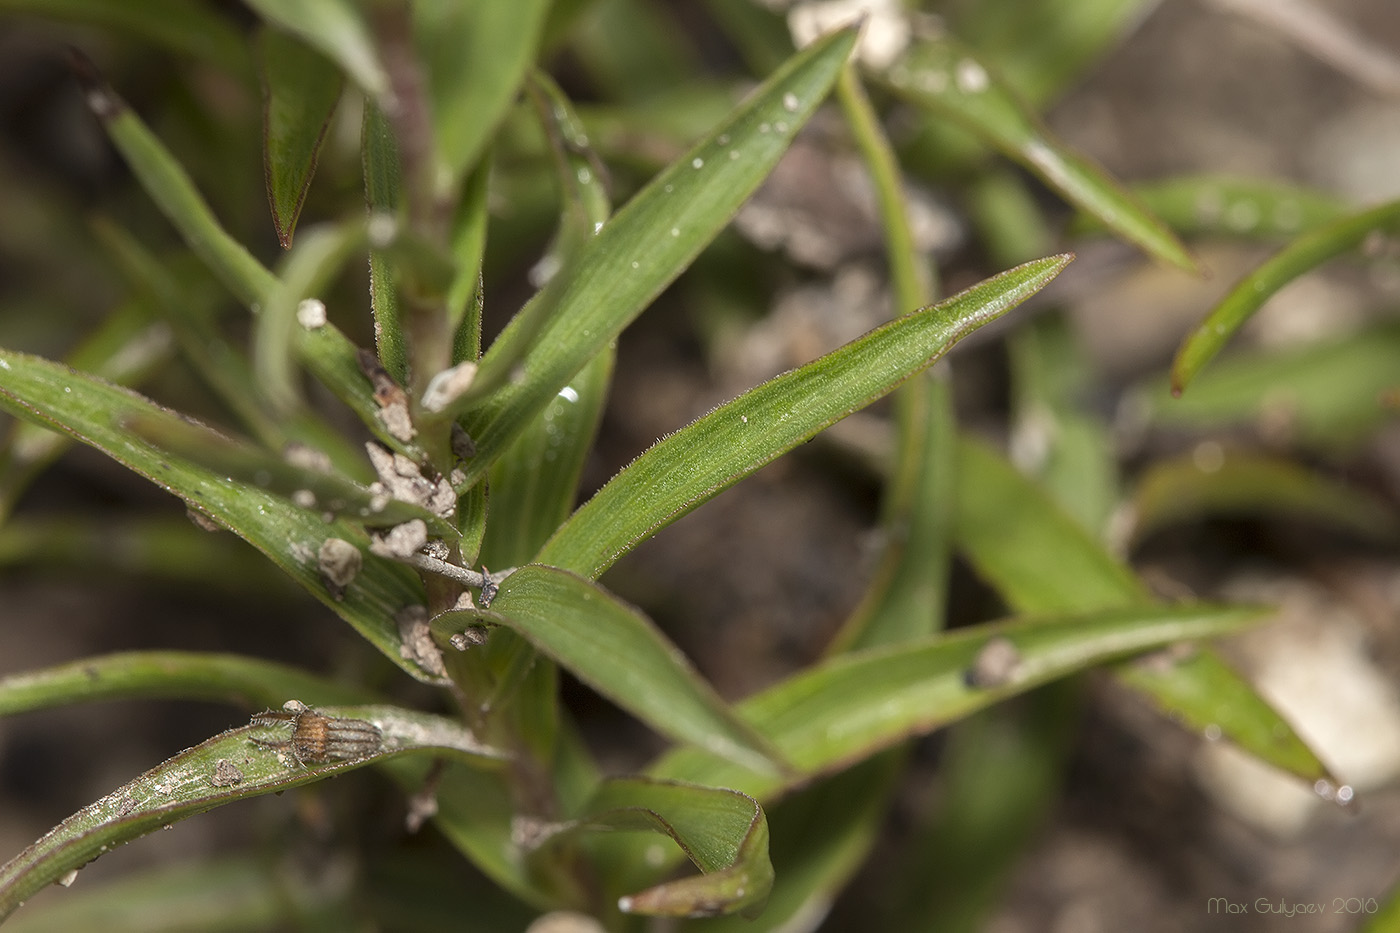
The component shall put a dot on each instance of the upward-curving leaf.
(714, 452)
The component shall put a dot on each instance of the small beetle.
(318, 738)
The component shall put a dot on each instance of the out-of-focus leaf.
(338, 30)
(168, 548)
(641, 250)
(724, 833)
(1202, 691)
(230, 766)
(1222, 205)
(632, 49)
(1327, 394)
(1000, 772)
(1026, 546)
(187, 28)
(326, 350)
(847, 707)
(124, 349)
(1183, 490)
(1043, 45)
(1387, 914)
(231, 895)
(1041, 560)
(1303, 254)
(695, 463)
(300, 91)
(618, 652)
(1053, 438)
(185, 299)
(475, 56)
(249, 682)
(94, 412)
(951, 82)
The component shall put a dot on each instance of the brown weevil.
(317, 738)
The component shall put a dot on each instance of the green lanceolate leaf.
(851, 706)
(1204, 693)
(248, 761)
(326, 351)
(1041, 560)
(96, 413)
(642, 249)
(949, 80)
(1221, 205)
(249, 682)
(1185, 489)
(618, 652)
(337, 29)
(476, 55)
(300, 91)
(695, 463)
(1303, 254)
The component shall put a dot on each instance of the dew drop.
(669, 188)
(1212, 733)
(780, 126)
(733, 155)
(764, 127)
(1242, 215)
(697, 162)
(584, 175)
(569, 394)
(722, 139)
(675, 231)
(790, 102)
(636, 265)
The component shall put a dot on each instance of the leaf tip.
(100, 98)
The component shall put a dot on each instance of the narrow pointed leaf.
(228, 767)
(475, 55)
(337, 29)
(1302, 255)
(95, 413)
(250, 682)
(950, 81)
(300, 92)
(1204, 693)
(618, 652)
(642, 249)
(1041, 560)
(724, 833)
(851, 706)
(695, 463)
(1180, 490)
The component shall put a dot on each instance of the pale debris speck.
(447, 386)
(971, 77)
(997, 665)
(882, 40)
(416, 640)
(338, 561)
(311, 313)
(401, 541)
(397, 421)
(226, 774)
(68, 878)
